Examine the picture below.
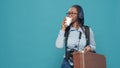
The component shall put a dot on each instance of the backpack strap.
(87, 34)
(67, 31)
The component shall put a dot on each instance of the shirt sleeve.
(60, 39)
(92, 41)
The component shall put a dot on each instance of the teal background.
(29, 28)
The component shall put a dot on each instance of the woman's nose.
(70, 15)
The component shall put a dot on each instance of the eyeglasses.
(71, 13)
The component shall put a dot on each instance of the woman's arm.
(92, 41)
(60, 39)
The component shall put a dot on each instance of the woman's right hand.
(63, 25)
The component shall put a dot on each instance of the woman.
(74, 37)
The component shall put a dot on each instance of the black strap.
(80, 33)
(87, 34)
(66, 38)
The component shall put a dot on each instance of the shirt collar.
(74, 29)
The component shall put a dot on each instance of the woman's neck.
(76, 25)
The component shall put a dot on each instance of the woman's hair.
(80, 14)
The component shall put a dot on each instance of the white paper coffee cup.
(68, 21)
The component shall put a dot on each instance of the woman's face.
(73, 13)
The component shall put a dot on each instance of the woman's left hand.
(87, 49)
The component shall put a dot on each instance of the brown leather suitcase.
(88, 60)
